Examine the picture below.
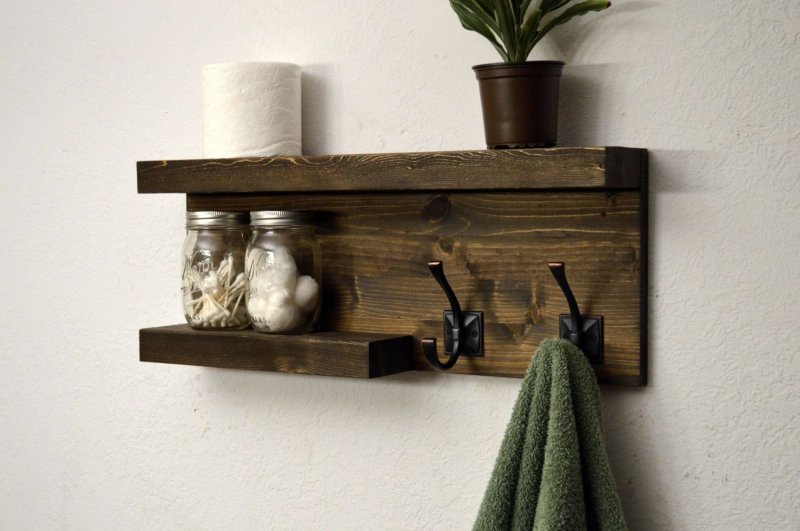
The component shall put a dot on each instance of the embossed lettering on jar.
(284, 272)
(214, 280)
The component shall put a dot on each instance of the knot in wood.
(446, 244)
(437, 210)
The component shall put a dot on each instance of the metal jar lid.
(281, 218)
(215, 218)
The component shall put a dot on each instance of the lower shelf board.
(355, 355)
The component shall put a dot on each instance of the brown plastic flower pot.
(520, 103)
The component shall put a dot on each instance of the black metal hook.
(464, 330)
(585, 333)
(558, 270)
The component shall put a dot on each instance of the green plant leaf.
(527, 35)
(485, 6)
(517, 18)
(475, 15)
(567, 15)
(508, 26)
(483, 10)
(504, 17)
(523, 8)
(474, 18)
(548, 6)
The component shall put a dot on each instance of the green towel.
(553, 471)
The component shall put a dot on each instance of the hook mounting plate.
(472, 344)
(591, 337)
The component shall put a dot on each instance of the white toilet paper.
(251, 110)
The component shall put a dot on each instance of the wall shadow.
(584, 92)
(632, 415)
(316, 111)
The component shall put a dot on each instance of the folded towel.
(552, 471)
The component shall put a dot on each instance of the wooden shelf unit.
(495, 218)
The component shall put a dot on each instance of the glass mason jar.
(284, 272)
(214, 281)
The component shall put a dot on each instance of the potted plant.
(519, 97)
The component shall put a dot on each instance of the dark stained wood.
(644, 285)
(495, 247)
(495, 218)
(519, 169)
(626, 168)
(357, 355)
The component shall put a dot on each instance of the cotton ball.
(307, 293)
(276, 311)
(269, 280)
(283, 318)
(278, 297)
(257, 307)
(282, 259)
(281, 312)
(272, 270)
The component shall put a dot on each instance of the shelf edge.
(354, 355)
(582, 168)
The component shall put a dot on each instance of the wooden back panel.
(495, 247)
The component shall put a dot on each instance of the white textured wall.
(92, 439)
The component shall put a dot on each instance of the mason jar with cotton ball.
(284, 272)
(214, 280)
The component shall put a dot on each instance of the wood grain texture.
(609, 168)
(357, 355)
(495, 247)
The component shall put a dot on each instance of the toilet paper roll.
(251, 110)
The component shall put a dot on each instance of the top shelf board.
(603, 168)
